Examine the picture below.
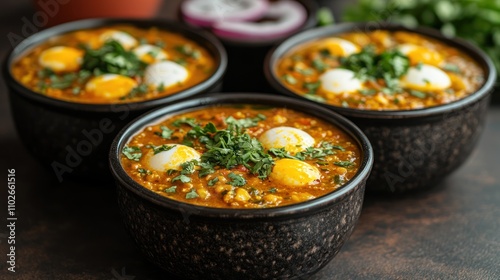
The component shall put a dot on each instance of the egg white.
(165, 73)
(125, 39)
(426, 77)
(292, 139)
(339, 80)
(150, 53)
(172, 158)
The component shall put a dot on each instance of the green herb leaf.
(112, 58)
(312, 87)
(162, 148)
(183, 178)
(236, 180)
(418, 94)
(188, 50)
(166, 133)
(189, 121)
(192, 194)
(273, 190)
(345, 164)
(289, 79)
(246, 122)
(132, 153)
(213, 181)
(172, 189)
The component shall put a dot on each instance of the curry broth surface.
(28, 71)
(297, 71)
(215, 189)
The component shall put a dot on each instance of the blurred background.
(78, 255)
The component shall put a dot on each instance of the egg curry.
(114, 64)
(380, 70)
(241, 157)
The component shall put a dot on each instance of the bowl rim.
(207, 40)
(124, 181)
(477, 54)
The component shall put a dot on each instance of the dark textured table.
(72, 230)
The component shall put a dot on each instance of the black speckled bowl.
(413, 149)
(212, 243)
(73, 139)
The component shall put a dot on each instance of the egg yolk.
(418, 54)
(110, 86)
(59, 59)
(340, 47)
(294, 173)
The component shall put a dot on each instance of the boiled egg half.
(292, 139)
(125, 39)
(294, 173)
(339, 47)
(61, 59)
(165, 73)
(340, 80)
(110, 86)
(418, 54)
(172, 158)
(426, 78)
(150, 53)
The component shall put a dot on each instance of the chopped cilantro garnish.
(273, 190)
(368, 65)
(192, 194)
(188, 121)
(213, 181)
(247, 122)
(346, 163)
(319, 64)
(289, 79)
(188, 50)
(312, 87)
(367, 92)
(418, 94)
(183, 178)
(451, 68)
(172, 189)
(132, 153)
(139, 90)
(112, 58)
(337, 179)
(236, 180)
(143, 171)
(162, 148)
(166, 133)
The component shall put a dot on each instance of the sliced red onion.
(288, 15)
(206, 12)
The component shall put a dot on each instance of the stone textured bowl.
(73, 139)
(414, 149)
(212, 243)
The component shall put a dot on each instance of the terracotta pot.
(60, 11)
